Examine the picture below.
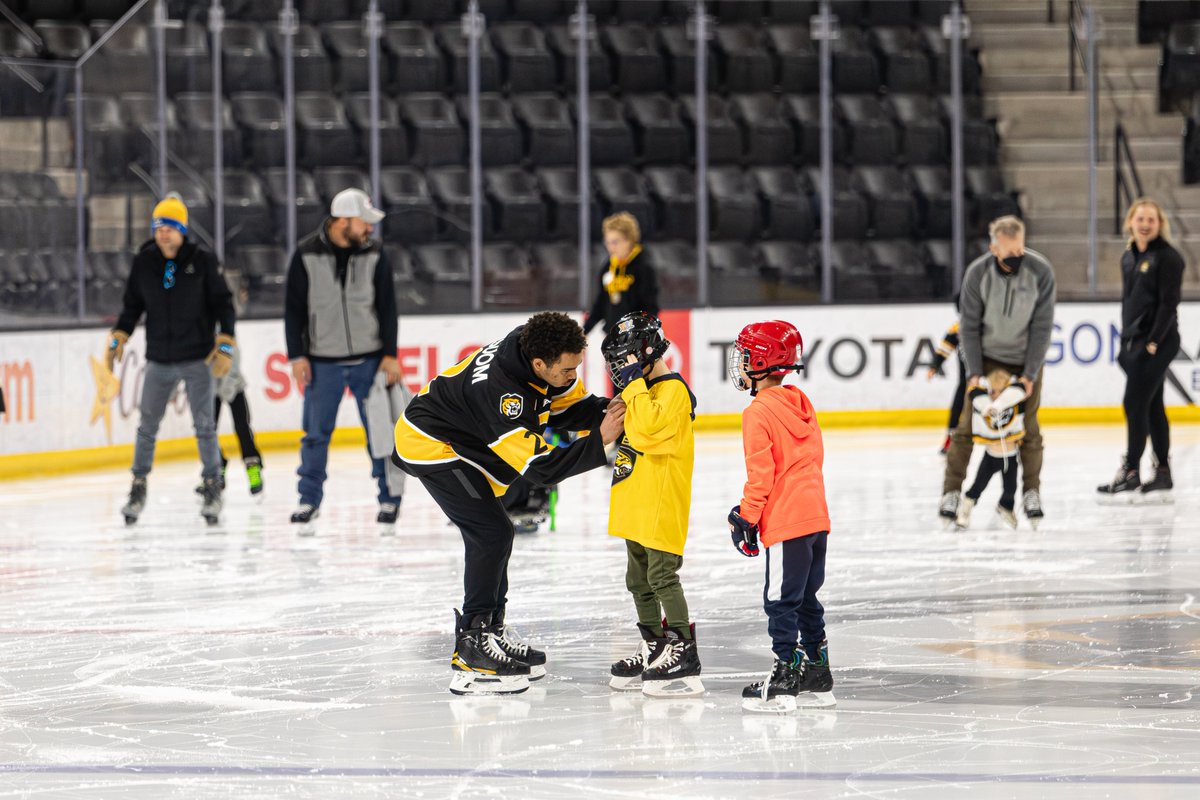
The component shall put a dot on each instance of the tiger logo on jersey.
(511, 405)
(624, 463)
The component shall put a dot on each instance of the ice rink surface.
(170, 660)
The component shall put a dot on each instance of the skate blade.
(257, 498)
(633, 684)
(1162, 497)
(387, 529)
(536, 672)
(677, 687)
(474, 683)
(948, 523)
(306, 529)
(781, 704)
(1122, 499)
(815, 700)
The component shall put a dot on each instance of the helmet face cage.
(639, 335)
(738, 366)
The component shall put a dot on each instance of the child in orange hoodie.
(783, 503)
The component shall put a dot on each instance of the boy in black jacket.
(181, 290)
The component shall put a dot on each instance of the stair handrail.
(1075, 41)
(1126, 189)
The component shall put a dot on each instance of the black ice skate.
(137, 501)
(388, 513)
(480, 664)
(211, 495)
(304, 516)
(627, 673)
(1159, 489)
(1124, 486)
(510, 641)
(801, 683)
(675, 669)
(254, 476)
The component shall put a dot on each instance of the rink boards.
(864, 365)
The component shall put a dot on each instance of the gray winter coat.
(1008, 318)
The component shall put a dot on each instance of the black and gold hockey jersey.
(491, 411)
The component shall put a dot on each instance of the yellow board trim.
(58, 462)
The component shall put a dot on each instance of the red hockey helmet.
(766, 348)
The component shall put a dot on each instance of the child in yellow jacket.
(651, 497)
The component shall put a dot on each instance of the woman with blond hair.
(1151, 284)
(627, 282)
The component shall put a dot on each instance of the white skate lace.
(635, 660)
(492, 646)
(1032, 502)
(950, 502)
(512, 640)
(670, 655)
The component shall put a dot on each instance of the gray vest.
(342, 321)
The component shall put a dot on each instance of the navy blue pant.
(321, 401)
(795, 573)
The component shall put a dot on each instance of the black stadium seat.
(855, 68)
(906, 66)
(647, 11)
(311, 208)
(451, 188)
(247, 213)
(411, 212)
(939, 51)
(312, 69)
(788, 204)
(674, 193)
(331, 180)
(561, 188)
(622, 189)
(508, 276)
(745, 61)
(931, 187)
(557, 265)
(501, 142)
(260, 116)
(124, 64)
(65, 40)
(444, 270)
(450, 37)
(804, 113)
(890, 12)
(679, 49)
(549, 132)
(729, 11)
(658, 131)
(528, 63)
(393, 138)
(324, 136)
(797, 58)
(902, 264)
(724, 135)
(769, 137)
(140, 110)
(893, 210)
(248, 64)
(733, 205)
(791, 271)
(415, 60)
(520, 213)
(790, 11)
(735, 277)
(195, 110)
(923, 137)
(986, 186)
(851, 216)
(563, 46)
(348, 45)
(675, 267)
(638, 64)
(435, 135)
(873, 138)
(855, 275)
(979, 137)
(107, 146)
(324, 11)
(609, 135)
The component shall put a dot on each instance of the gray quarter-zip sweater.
(1008, 318)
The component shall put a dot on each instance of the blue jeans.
(158, 385)
(321, 401)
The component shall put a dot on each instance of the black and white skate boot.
(136, 503)
(388, 512)
(627, 673)
(675, 669)
(776, 694)
(510, 641)
(948, 510)
(480, 664)
(211, 510)
(1124, 486)
(304, 516)
(1159, 489)
(221, 480)
(816, 681)
(1031, 504)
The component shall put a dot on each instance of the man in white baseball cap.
(340, 324)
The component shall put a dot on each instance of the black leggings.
(1145, 413)
(241, 424)
(960, 396)
(989, 467)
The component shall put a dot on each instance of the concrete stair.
(1043, 131)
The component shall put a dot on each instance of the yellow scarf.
(618, 280)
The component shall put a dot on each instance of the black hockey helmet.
(638, 334)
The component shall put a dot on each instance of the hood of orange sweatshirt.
(791, 407)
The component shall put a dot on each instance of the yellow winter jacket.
(652, 478)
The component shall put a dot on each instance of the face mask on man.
(1012, 263)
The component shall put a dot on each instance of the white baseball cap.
(354, 203)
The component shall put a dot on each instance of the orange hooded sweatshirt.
(785, 488)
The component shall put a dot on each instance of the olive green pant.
(959, 456)
(652, 577)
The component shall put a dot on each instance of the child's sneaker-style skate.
(627, 673)
(675, 668)
(480, 664)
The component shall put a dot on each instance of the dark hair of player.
(549, 334)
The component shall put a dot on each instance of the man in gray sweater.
(1007, 317)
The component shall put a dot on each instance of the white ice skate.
(948, 510)
(1006, 516)
(963, 520)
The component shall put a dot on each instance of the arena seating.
(891, 142)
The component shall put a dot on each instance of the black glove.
(628, 374)
(745, 534)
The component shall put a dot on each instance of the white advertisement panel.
(859, 358)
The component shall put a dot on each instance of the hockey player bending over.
(648, 507)
(783, 504)
(470, 433)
